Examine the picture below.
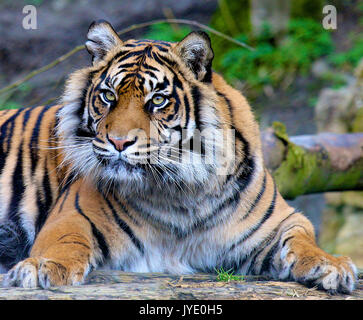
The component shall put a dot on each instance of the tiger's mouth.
(117, 164)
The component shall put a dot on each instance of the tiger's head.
(144, 113)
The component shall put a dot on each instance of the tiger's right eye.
(158, 100)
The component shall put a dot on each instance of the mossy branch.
(121, 32)
(313, 163)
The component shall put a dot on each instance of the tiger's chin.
(145, 178)
(120, 171)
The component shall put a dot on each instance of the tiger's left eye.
(109, 96)
(158, 100)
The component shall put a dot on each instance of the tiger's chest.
(180, 241)
(172, 255)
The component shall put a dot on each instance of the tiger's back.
(29, 179)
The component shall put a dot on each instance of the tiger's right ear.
(101, 38)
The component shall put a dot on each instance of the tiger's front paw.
(41, 272)
(317, 268)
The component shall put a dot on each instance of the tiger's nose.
(121, 144)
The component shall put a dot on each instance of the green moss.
(303, 172)
(357, 125)
(280, 131)
(297, 165)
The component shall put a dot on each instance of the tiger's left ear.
(196, 51)
(101, 38)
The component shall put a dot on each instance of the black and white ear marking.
(196, 51)
(101, 38)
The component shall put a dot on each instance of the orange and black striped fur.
(79, 189)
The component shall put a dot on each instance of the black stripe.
(99, 148)
(285, 241)
(48, 194)
(233, 202)
(27, 117)
(125, 56)
(258, 198)
(266, 215)
(196, 96)
(64, 200)
(126, 78)
(162, 85)
(33, 145)
(18, 189)
(267, 261)
(177, 82)
(66, 183)
(147, 66)
(167, 227)
(163, 60)
(94, 109)
(187, 110)
(87, 89)
(102, 244)
(18, 186)
(171, 65)
(124, 209)
(243, 175)
(124, 227)
(126, 66)
(247, 162)
(229, 105)
(44, 206)
(6, 136)
(254, 254)
(162, 48)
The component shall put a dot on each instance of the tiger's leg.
(63, 253)
(295, 256)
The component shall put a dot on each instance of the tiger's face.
(137, 114)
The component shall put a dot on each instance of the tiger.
(101, 180)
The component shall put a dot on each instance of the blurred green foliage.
(167, 32)
(271, 62)
(233, 19)
(311, 9)
(350, 58)
(9, 101)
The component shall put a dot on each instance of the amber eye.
(108, 96)
(158, 100)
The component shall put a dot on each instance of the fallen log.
(313, 163)
(114, 285)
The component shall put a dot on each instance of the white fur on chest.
(168, 254)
